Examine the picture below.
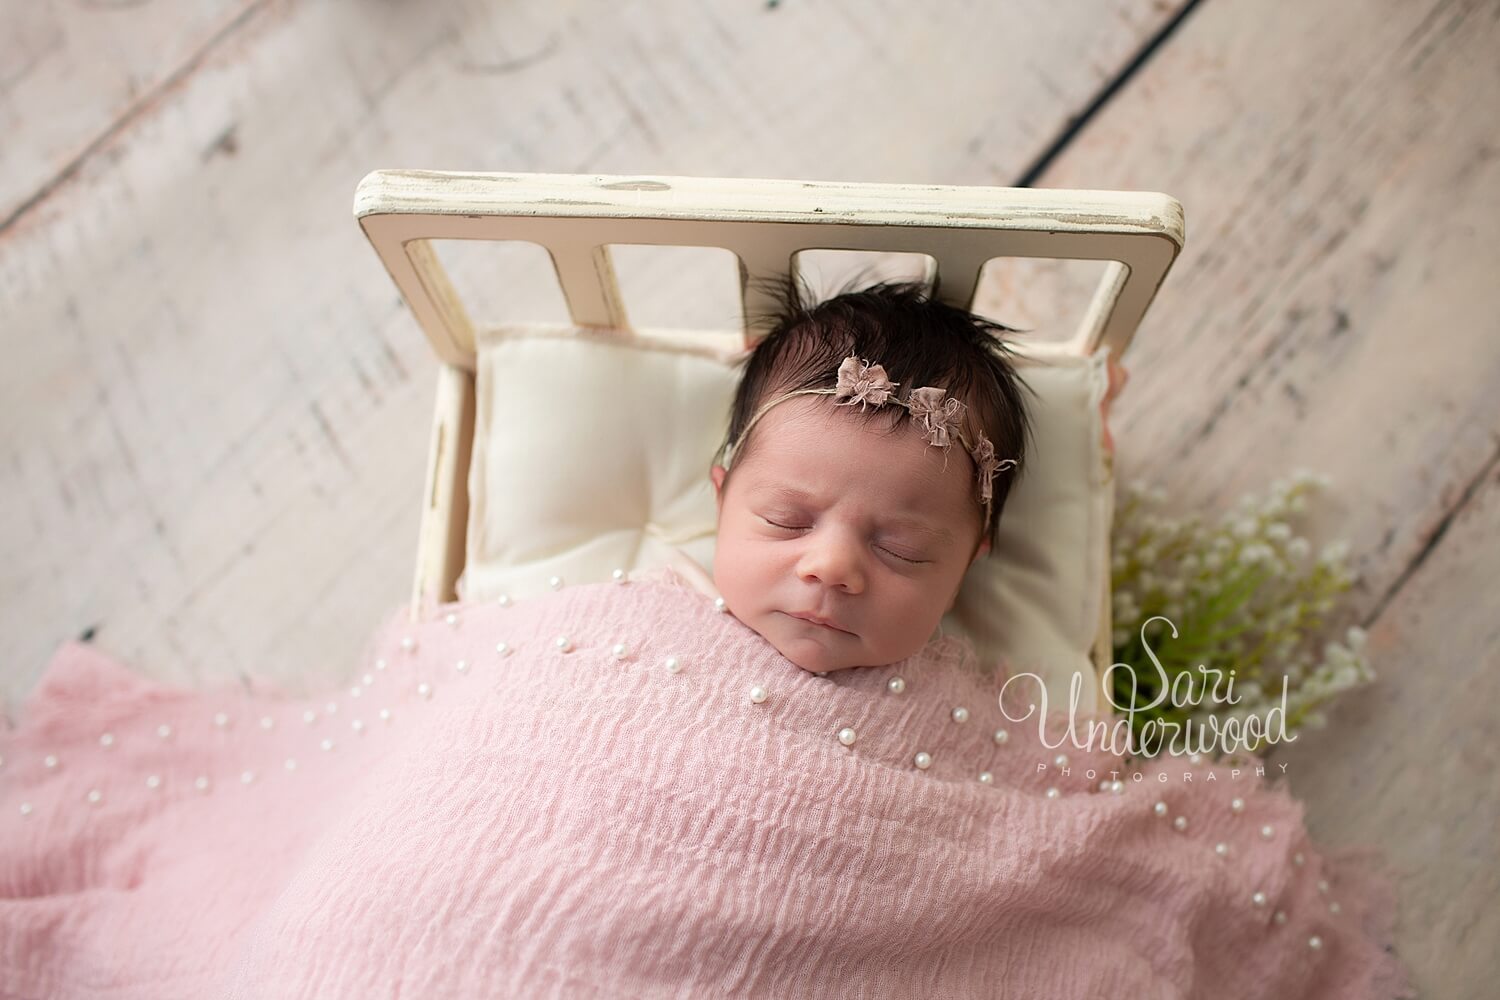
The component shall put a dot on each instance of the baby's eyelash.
(788, 527)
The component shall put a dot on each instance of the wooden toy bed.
(509, 508)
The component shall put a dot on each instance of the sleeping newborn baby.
(872, 443)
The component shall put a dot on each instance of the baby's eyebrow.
(780, 491)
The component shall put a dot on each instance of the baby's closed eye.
(914, 559)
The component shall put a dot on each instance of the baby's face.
(834, 519)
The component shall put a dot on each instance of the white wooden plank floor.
(213, 418)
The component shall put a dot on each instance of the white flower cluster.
(1246, 594)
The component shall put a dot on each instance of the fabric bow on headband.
(939, 416)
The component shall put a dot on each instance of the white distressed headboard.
(764, 223)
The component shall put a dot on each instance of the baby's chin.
(819, 656)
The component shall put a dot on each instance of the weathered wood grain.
(73, 75)
(1405, 764)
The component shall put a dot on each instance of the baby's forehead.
(818, 445)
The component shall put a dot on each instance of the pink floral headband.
(939, 417)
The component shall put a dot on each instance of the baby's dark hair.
(917, 339)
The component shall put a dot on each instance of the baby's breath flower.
(1243, 595)
(1334, 552)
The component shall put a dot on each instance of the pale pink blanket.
(551, 823)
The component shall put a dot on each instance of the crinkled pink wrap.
(573, 824)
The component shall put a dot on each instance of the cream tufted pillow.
(558, 486)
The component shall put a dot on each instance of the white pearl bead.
(719, 605)
(266, 722)
(1298, 859)
(451, 619)
(50, 761)
(385, 715)
(95, 796)
(367, 680)
(820, 673)
(673, 666)
(1237, 806)
(986, 778)
(331, 708)
(1116, 787)
(153, 781)
(291, 763)
(503, 600)
(107, 740)
(563, 644)
(461, 666)
(619, 651)
(1053, 793)
(327, 744)
(960, 714)
(1267, 831)
(408, 643)
(1160, 809)
(1180, 823)
(1322, 885)
(1279, 916)
(25, 808)
(246, 777)
(356, 691)
(200, 783)
(555, 582)
(1195, 758)
(358, 725)
(618, 575)
(1001, 736)
(896, 685)
(502, 648)
(424, 689)
(1315, 942)
(164, 731)
(1061, 760)
(847, 736)
(923, 760)
(309, 716)
(379, 664)
(758, 694)
(1334, 908)
(1104, 785)
(1259, 899)
(221, 719)
(1221, 849)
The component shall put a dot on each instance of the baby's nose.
(833, 565)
